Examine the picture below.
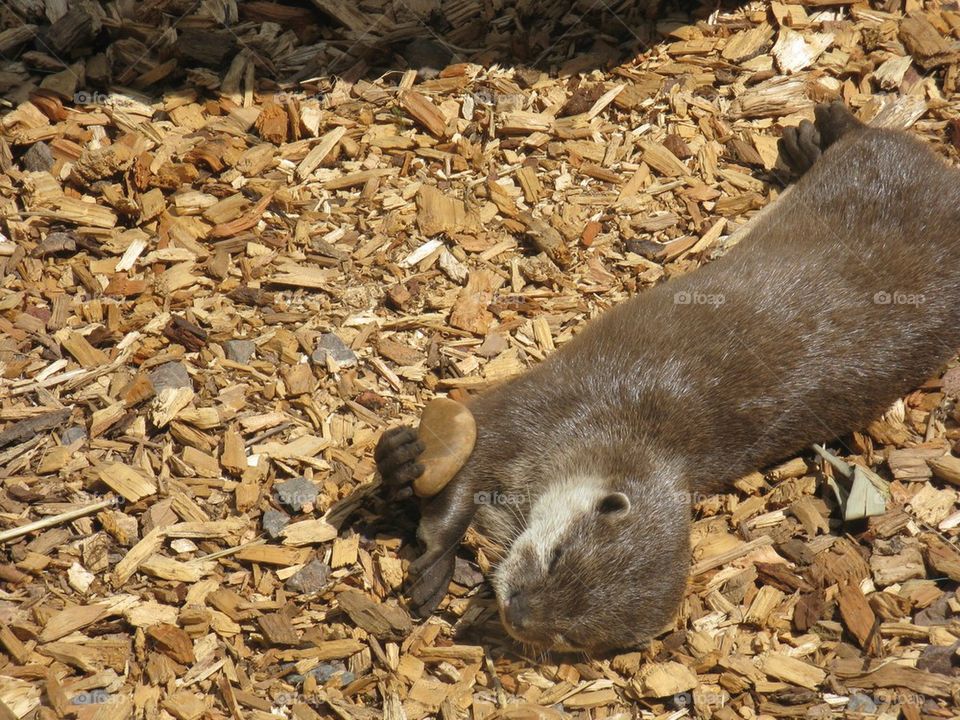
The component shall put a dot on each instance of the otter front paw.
(833, 121)
(431, 456)
(428, 579)
(396, 456)
(800, 146)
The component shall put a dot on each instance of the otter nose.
(517, 610)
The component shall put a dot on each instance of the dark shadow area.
(159, 45)
(565, 36)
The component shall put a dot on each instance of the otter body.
(838, 301)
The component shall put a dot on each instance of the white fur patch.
(552, 513)
(558, 508)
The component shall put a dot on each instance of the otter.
(842, 298)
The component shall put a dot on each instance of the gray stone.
(170, 375)
(312, 578)
(950, 382)
(56, 243)
(38, 158)
(72, 434)
(860, 703)
(464, 573)
(936, 613)
(325, 671)
(274, 521)
(239, 350)
(940, 659)
(296, 493)
(493, 344)
(330, 344)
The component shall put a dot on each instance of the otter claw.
(800, 146)
(833, 121)
(428, 578)
(395, 456)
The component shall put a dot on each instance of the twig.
(53, 520)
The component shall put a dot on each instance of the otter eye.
(614, 504)
(554, 559)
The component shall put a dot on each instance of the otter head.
(600, 565)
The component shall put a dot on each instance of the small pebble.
(170, 375)
(72, 434)
(183, 545)
(239, 351)
(295, 494)
(464, 573)
(332, 345)
(55, 243)
(448, 433)
(648, 249)
(492, 345)
(38, 158)
(274, 521)
(940, 659)
(79, 577)
(937, 613)
(326, 670)
(312, 578)
(860, 703)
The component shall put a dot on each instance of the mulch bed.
(239, 239)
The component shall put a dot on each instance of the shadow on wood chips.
(160, 43)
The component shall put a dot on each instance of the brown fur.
(661, 398)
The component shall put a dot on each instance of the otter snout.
(516, 610)
(528, 621)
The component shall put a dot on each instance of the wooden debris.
(440, 213)
(238, 240)
(424, 111)
(926, 43)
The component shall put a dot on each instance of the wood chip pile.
(240, 239)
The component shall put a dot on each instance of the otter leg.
(396, 454)
(444, 520)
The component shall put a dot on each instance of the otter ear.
(614, 504)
